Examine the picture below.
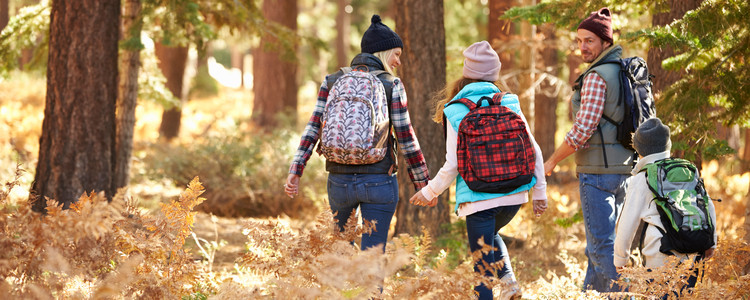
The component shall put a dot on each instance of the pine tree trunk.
(546, 100)
(77, 145)
(423, 73)
(500, 32)
(274, 78)
(675, 10)
(172, 61)
(4, 14)
(128, 94)
(342, 34)
(527, 64)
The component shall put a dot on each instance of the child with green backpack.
(668, 195)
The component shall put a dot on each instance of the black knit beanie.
(379, 37)
(652, 137)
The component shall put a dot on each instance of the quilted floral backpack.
(355, 122)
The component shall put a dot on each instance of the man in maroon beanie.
(603, 165)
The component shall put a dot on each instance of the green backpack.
(682, 203)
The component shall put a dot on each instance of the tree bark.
(342, 36)
(4, 14)
(172, 61)
(546, 99)
(500, 32)
(274, 78)
(423, 73)
(746, 152)
(527, 65)
(77, 145)
(663, 78)
(128, 94)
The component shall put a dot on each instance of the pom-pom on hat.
(379, 37)
(600, 23)
(481, 62)
(652, 136)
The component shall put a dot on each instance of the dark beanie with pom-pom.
(379, 37)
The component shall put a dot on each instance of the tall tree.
(423, 74)
(128, 90)
(342, 33)
(527, 66)
(77, 145)
(172, 61)
(274, 76)
(671, 11)
(546, 97)
(4, 14)
(500, 32)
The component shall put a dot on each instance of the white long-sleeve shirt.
(638, 206)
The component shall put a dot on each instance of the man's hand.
(548, 167)
(291, 187)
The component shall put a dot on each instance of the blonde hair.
(442, 97)
(384, 56)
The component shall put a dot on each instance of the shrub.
(244, 173)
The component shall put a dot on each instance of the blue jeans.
(375, 194)
(602, 196)
(485, 225)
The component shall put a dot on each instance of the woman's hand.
(539, 207)
(291, 187)
(419, 199)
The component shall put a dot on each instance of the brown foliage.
(104, 249)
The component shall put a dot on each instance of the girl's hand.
(419, 199)
(539, 207)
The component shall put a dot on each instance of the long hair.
(442, 97)
(384, 56)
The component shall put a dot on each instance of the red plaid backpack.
(495, 154)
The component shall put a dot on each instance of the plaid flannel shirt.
(401, 127)
(593, 96)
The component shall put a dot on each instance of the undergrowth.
(107, 250)
(243, 172)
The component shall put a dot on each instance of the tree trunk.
(527, 65)
(4, 14)
(546, 100)
(77, 145)
(746, 152)
(127, 93)
(423, 73)
(663, 78)
(274, 79)
(746, 225)
(342, 36)
(500, 32)
(172, 61)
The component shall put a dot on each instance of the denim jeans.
(602, 196)
(375, 194)
(485, 225)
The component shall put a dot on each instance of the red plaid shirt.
(402, 128)
(593, 95)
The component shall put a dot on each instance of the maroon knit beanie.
(600, 23)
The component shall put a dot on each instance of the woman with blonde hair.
(370, 185)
